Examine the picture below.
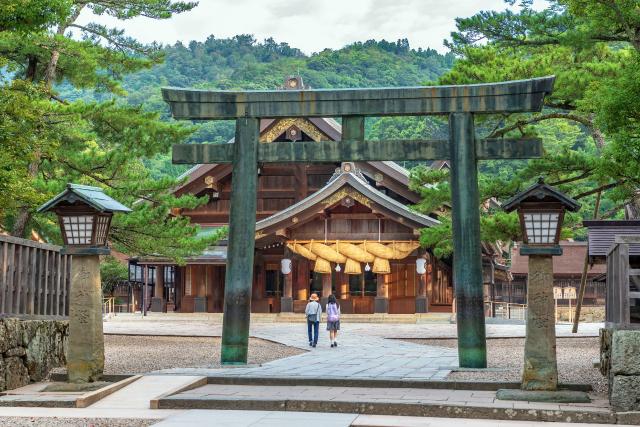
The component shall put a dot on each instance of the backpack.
(333, 313)
(312, 317)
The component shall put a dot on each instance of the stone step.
(141, 393)
(372, 383)
(418, 402)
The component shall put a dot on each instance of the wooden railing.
(505, 310)
(34, 278)
(108, 305)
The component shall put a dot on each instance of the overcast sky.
(311, 25)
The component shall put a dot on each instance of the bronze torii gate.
(460, 103)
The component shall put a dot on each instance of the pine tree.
(54, 139)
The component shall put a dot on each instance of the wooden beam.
(354, 150)
(502, 97)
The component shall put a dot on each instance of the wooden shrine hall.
(343, 228)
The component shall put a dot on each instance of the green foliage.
(32, 15)
(54, 137)
(112, 272)
(589, 124)
(241, 62)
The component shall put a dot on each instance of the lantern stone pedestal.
(85, 359)
(540, 366)
(540, 373)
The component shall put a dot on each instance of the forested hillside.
(242, 62)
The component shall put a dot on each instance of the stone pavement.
(312, 419)
(174, 418)
(359, 355)
(365, 351)
(204, 325)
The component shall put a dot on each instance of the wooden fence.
(34, 278)
(622, 308)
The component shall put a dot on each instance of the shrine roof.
(347, 177)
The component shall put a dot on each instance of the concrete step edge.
(508, 412)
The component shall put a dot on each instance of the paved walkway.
(158, 324)
(359, 355)
(365, 351)
(175, 418)
(313, 419)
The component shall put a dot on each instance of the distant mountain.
(241, 62)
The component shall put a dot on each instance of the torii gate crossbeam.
(460, 103)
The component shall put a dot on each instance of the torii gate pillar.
(467, 256)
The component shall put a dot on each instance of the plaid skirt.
(333, 326)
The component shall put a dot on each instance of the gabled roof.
(93, 196)
(541, 192)
(348, 177)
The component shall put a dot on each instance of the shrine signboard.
(462, 148)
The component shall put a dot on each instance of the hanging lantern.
(338, 269)
(367, 267)
(421, 266)
(285, 266)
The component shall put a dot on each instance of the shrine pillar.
(381, 303)
(157, 302)
(326, 288)
(286, 301)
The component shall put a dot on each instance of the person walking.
(333, 319)
(314, 314)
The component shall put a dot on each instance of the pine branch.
(539, 118)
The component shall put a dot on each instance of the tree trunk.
(32, 68)
(50, 71)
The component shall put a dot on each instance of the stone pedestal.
(540, 366)
(381, 305)
(422, 305)
(286, 305)
(200, 305)
(85, 359)
(157, 305)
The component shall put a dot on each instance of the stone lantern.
(84, 214)
(541, 211)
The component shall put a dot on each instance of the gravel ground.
(575, 360)
(138, 354)
(73, 422)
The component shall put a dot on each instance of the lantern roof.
(541, 193)
(93, 196)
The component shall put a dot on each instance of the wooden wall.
(279, 186)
